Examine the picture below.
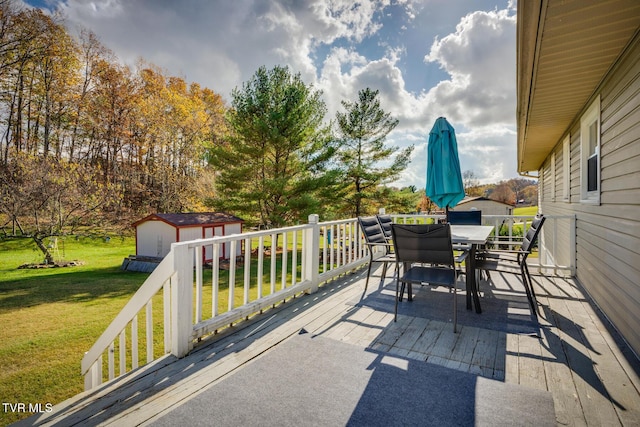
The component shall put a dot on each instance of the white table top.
(472, 234)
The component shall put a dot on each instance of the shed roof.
(191, 219)
(480, 198)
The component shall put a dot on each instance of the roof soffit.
(565, 49)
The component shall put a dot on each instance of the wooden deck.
(573, 356)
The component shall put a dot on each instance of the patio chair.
(515, 261)
(429, 247)
(385, 222)
(464, 217)
(379, 246)
(472, 217)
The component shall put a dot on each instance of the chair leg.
(533, 293)
(395, 312)
(455, 310)
(532, 303)
(534, 300)
(366, 284)
(384, 273)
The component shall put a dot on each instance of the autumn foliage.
(87, 140)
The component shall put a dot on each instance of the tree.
(529, 194)
(471, 183)
(43, 197)
(503, 193)
(402, 200)
(362, 130)
(274, 167)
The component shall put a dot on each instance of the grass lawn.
(50, 317)
(529, 210)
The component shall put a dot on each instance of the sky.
(428, 58)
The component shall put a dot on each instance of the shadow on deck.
(570, 354)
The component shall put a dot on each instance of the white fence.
(191, 300)
(184, 300)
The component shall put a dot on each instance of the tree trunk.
(48, 258)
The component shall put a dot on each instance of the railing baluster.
(134, 342)
(303, 251)
(351, 242)
(166, 297)
(339, 249)
(215, 279)
(331, 246)
(260, 265)
(123, 353)
(284, 261)
(198, 260)
(111, 360)
(325, 244)
(294, 259)
(232, 275)
(97, 374)
(274, 257)
(247, 269)
(149, 331)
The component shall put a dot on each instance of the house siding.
(607, 234)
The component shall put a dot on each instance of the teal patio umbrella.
(444, 180)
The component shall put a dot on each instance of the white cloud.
(480, 57)
(220, 44)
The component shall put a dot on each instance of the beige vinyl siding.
(608, 234)
(557, 207)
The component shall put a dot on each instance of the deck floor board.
(575, 357)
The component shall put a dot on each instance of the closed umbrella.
(444, 180)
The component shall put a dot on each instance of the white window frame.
(566, 169)
(590, 117)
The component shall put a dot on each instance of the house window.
(566, 169)
(590, 154)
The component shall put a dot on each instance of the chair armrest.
(461, 257)
(499, 253)
(388, 245)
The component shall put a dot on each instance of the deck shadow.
(323, 382)
(503, 311)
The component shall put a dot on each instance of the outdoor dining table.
(472, 235)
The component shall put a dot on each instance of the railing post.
(181, 300)
(312, 253)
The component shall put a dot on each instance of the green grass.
(50, 317)
(529, 210)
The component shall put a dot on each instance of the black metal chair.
(464, 217)
(385, 222)
(378, 245)
(472, 217)
(515, 261)
(429, 246)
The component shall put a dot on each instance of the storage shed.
(155, 233)
(487, 206)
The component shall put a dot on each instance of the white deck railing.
(190, 299)
(186, 299)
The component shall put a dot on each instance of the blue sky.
(428, 58)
